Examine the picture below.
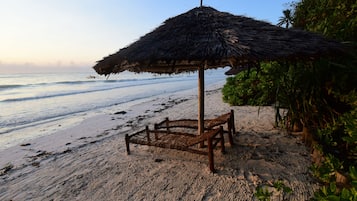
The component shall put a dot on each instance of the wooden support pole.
(127, 144)
(155, 131)
(232, 120)
(167, 125)
(201, 101)
(147, 134)
(230, 128)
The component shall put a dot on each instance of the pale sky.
(70, 35)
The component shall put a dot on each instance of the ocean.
(30, 103)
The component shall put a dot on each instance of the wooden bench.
(209, 124)
(179, 141)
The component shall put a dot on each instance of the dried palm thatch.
(109, 63)
(206, 37)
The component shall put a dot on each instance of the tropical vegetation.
(320, 96)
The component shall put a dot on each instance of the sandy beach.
(89, 161)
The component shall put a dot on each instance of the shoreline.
(96, 125)
(48, 127)
(91, 163)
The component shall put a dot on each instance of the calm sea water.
(34, 99)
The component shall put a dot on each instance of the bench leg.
(223, 150)
(232, 119)
(127, 144)
(210, 155)
(230, 133)
(231, 128)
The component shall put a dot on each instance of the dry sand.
(89, 161)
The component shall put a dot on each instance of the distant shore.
(89, 160)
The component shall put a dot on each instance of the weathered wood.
(232, 121)
(231, 128)
(147, 133)
(223, 150)
(179, 141)
(201, 99)
(127, 144)
(210, 154)
(209, 124)
(167, 125)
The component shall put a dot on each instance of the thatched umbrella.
(205, 38)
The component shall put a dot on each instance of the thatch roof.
(205, 36)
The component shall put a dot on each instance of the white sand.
(89, 161)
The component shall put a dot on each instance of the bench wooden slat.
(179, 141)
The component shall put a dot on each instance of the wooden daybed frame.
(209, 124)
(179, 141)
(174, 134)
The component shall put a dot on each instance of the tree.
(287, 19)
(338, 135)
(334, 19)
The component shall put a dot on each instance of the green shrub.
(339, 138)
(250, 87)
(332, 191)
(263, 193)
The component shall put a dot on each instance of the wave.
(59, 94)
(10, 86)
(131, 83)
(79, 82)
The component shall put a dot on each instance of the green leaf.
(345, 194)
(333, 187)
(353, 173)
(333, 198)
